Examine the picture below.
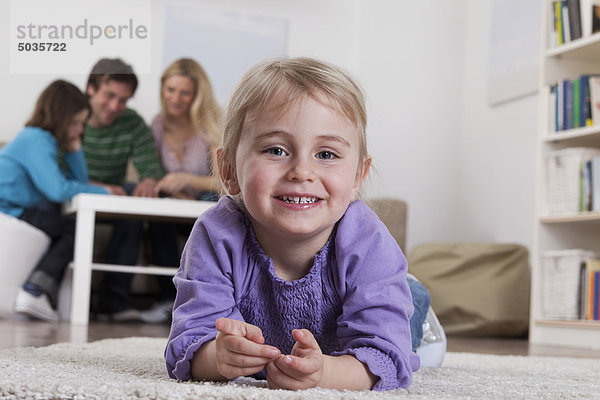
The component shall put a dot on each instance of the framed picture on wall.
(225, 43)
(514, 50)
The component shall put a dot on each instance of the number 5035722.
(41, 46)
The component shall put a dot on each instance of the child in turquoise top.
(34, 182)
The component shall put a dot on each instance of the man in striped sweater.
(114, 135)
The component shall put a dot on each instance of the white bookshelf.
(562, 232)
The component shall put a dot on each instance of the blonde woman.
(186, 133)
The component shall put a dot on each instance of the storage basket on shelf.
(563, 180)
(561, 282)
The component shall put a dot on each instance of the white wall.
(411, 65)
(465, 169)
(497, 151)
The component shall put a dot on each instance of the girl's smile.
(299, 202)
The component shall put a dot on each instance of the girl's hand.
(114, 190)
(303, 369)
(240, 349)
(146, 188)
(73, 145)
(173, 183)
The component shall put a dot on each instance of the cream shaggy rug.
(134, 368)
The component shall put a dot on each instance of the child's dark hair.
(112, 69)
(56, 107)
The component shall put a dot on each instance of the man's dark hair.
(107, 69)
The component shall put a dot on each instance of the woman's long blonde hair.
(205, 112)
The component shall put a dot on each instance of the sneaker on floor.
(433, 345)
(159, 313)
(35, 306)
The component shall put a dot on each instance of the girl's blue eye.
(276, 151)
(326, 155)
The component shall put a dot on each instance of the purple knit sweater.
(355, 299)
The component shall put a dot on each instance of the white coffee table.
(86, 207)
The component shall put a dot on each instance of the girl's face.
(75, 130)
(178, 95)
(297, 171)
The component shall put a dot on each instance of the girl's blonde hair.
(205, 111)
(294, 78)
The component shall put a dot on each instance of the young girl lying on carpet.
(290, 278)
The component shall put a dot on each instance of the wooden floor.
(20, 332)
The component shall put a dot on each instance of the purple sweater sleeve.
(205, 285)
(377, 304)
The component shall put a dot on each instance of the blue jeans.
(48, 273)
(421, 302)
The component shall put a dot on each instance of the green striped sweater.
(107, 150)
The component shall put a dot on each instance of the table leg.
(82, 266)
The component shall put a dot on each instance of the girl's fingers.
(241, 360)
(228, 326)
(279, 379)
(243, 346)
(254, 333)
(305, 339)
(238, 356)
(297, 367)
(234, 327)
(306, 357)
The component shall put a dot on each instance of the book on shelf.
(566, 29)
(574, 19)
(568, 104)
(596, 298)
(590, 290)
(595, 185)
(594, 84)
(589, 185)
(558, 23)
(574, 103)
(570, 20)
(560, 100)
(552, 109)
(596, 19)
(586, 110)
(551, 26)
(585, 186)
(588, 16)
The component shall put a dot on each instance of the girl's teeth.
(298, 200)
